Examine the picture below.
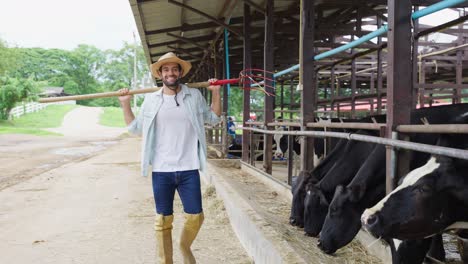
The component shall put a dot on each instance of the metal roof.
(171, 25)
(194, 28)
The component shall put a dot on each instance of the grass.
(32, 123)
(112, 117)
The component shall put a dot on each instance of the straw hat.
(167, 58)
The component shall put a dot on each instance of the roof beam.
(376, 12)
(443, 26)
(195, 43)
(219, 22)
(184, 27)
(255, 6)
(193, 49)
(196, 39)
(180, 50)
(189, 27)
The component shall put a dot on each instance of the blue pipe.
(354, 43)
(416, 15)
(435, 7)
(290, 69)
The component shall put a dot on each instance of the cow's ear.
(356, 193)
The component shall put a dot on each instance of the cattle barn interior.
(338, 60)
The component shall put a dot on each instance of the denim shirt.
(144, 124)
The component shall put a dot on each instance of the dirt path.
(80, 199)
(83, 123)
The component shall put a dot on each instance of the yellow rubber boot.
(163, 227)
(192, 225)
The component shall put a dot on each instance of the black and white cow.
(436, 115)
(415, 251)
(282, 146)
(430, 199)
(281, 142)
(343, 221)
(299, 190)
(319, 145)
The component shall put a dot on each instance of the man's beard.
(172, 85)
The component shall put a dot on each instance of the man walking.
(171, 121)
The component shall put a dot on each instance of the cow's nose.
(319, 244)
(292, 221)
(372, 220)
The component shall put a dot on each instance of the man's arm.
(125, 100)
(215, 98)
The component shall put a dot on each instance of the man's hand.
(213, 88)
(124, 97)
(216, 97)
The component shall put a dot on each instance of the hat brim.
(186, 66)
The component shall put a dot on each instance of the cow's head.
(281, 144)
(343, 219)
(278, 154)
(315, 211)
(296, 217)
(418, 207)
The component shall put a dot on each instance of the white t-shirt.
(176, 139)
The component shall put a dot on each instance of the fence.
(33, 107)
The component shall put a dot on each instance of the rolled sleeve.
(210, 117)
(136, 126)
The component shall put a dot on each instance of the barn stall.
(330, 59)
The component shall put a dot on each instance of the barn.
(378, 88)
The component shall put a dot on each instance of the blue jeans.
(187, 184)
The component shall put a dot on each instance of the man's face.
(170, 73)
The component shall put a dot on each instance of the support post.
(246, 142)
(226, 72)
(291, 98)
(332, 88)
(307, 79)
(269, 68)
(353, 88)
(459, 68)
(282, 100)
(415, 62)
(399, 80)
(379, 70)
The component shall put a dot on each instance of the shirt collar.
(183, 91)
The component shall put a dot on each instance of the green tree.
(8, 59)
(83, 70)
(83, 67)
(13, 91)
(118, 69)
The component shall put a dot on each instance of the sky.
(64, 24)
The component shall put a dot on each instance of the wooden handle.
(95, 95)
(139, 91)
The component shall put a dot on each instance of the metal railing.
(437, 150)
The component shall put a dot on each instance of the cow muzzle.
(370, 222)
